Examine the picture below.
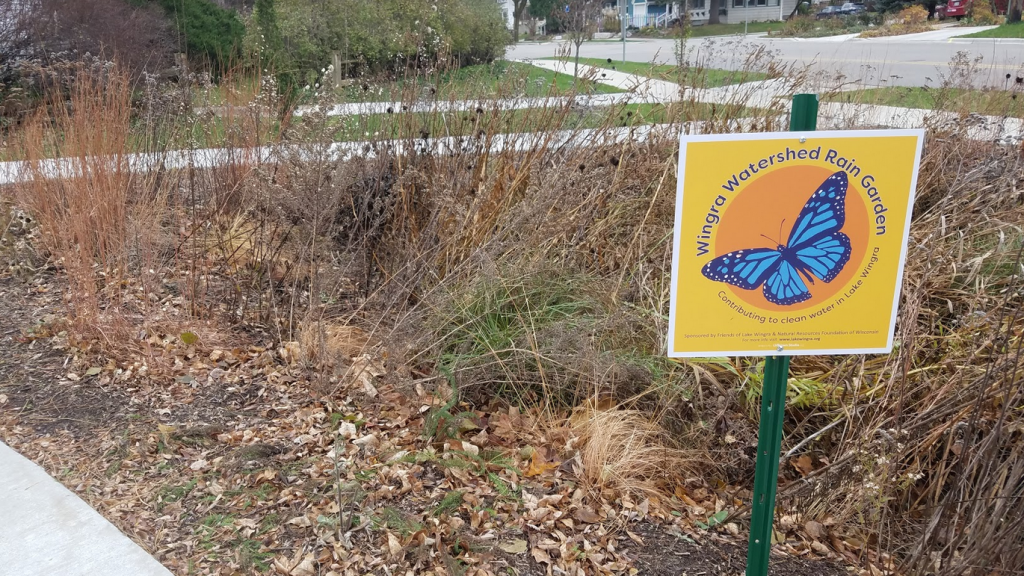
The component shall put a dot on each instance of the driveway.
(911, 60)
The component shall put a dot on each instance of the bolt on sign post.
(789, 243)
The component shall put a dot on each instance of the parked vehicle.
(960, 8)
(829, 12)
(957, 9)
(853, 8)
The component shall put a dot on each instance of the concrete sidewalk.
(47, 530)
(647, 89)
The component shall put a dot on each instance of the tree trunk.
(1013, 12)
(515, 27)
(713, 17)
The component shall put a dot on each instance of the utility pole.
(622, 21)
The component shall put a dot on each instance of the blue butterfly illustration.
(815, 249)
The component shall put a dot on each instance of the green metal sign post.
(803, 118)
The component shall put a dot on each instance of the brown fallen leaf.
(584, 514)
(300, 521)
(787, 522)
(296, 565)
(540, 556)
(815, 530)
(307, 567)
(517, 546)
(394, 545)
(363, 371)
(689, 501)
(538, 466)
(803, 464)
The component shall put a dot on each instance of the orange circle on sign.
(768, 208)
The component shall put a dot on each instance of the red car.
(956, 9)
(960, 8)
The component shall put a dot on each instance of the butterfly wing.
(785, 286)
(745, 269)
(815, 245)
(825, 257)
(823, 214)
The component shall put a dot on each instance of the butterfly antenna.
(783, 223)
(770, 240)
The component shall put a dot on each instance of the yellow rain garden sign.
(791, 242)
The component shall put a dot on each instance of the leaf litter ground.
(234, 462)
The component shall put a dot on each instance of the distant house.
(643, 13)
(508, 9)
(739, 11)
(528, 24)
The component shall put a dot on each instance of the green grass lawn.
(1015, 30)
(989, 102)
(497, 80)
(442, 124)
(697, 77)
(219, 132)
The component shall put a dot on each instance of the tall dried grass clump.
(102, 220)
(925, 456)
(624, 452)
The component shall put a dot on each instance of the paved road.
(911, 60)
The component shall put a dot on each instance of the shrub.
(210, 33)
(907, 21)
(384, 36)
(914, 16)
(138, 36)
(611, 24)
(798, 25)
(835, 25)
(44, 45)
(868, 18)
(473, 30)
(890, 6)
(982, 15)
